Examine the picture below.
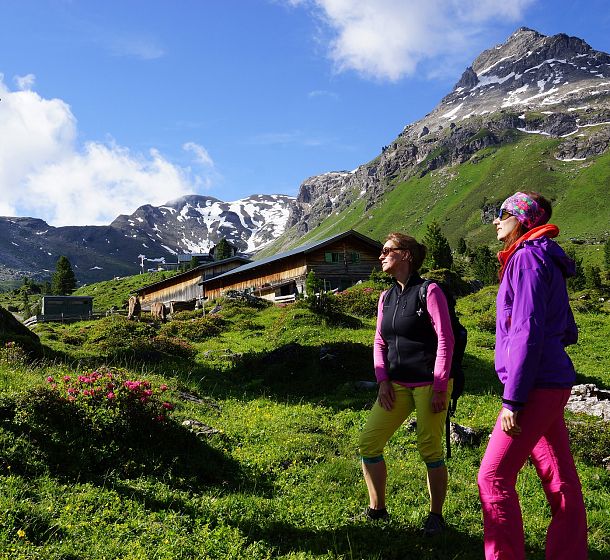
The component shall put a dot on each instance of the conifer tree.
(484, 265)
(439, 252)
(63, 282)
(462, 249)
(222, 250)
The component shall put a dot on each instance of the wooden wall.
(183, 287)
(341, 274)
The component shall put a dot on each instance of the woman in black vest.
(412, 357)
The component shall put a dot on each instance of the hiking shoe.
(377, 514)
(434, 525)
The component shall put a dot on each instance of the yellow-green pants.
(382, 424)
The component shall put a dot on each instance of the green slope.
(454, 196)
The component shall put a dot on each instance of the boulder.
(11, 328)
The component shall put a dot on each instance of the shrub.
(173, 346)
(12, 353)
(196, 330)
(187, 315)
(361, 301)
(380, 279)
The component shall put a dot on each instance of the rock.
(588, 399)
(199, 428)
(463, 435)
(11, 327)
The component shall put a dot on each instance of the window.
(354, 257)
(332, 257)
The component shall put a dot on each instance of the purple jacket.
(534, 322)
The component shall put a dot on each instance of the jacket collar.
(546, 230)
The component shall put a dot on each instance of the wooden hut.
(338, 261)
(186, 287)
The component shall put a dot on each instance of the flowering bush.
(109, 392)
(101, 424)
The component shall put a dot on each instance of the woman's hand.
(508, 418)
(439, 401)
(386, 395)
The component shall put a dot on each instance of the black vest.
(407, 330)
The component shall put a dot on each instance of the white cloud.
(134, 47)
(25, 82)
(201, 154)
(387, 39)
(45, 174)
(322, 93)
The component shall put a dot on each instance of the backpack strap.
(423, 293)
(423, 298)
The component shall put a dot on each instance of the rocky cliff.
(551, 85)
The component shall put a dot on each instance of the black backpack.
(460, 334)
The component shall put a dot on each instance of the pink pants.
(544, 437)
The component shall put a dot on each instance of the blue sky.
(106, 106)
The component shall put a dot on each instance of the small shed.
(59, 308)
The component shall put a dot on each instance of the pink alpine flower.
(110, 395)
(163, 387)
(50, 379)
(168, 406)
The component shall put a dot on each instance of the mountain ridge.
(554, 88)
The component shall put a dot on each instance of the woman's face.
(393, 259)
(505, 224)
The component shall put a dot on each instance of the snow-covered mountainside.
(192, 224)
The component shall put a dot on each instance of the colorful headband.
(525, 209)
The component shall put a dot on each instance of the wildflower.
(110, 395)
(168, 406)
(66, 378)
(49, 379)
(160, 418)
(163, 387)
(21, 533)
(143, 400)
(147, 392)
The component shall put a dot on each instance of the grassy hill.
(454, 196)
(274, 471)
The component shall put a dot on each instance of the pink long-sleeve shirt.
(441, 323)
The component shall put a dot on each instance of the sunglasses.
(387, 250)
(503, 214)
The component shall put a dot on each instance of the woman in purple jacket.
(534, 324)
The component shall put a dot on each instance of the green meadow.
(453, 196)
(274, 471)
